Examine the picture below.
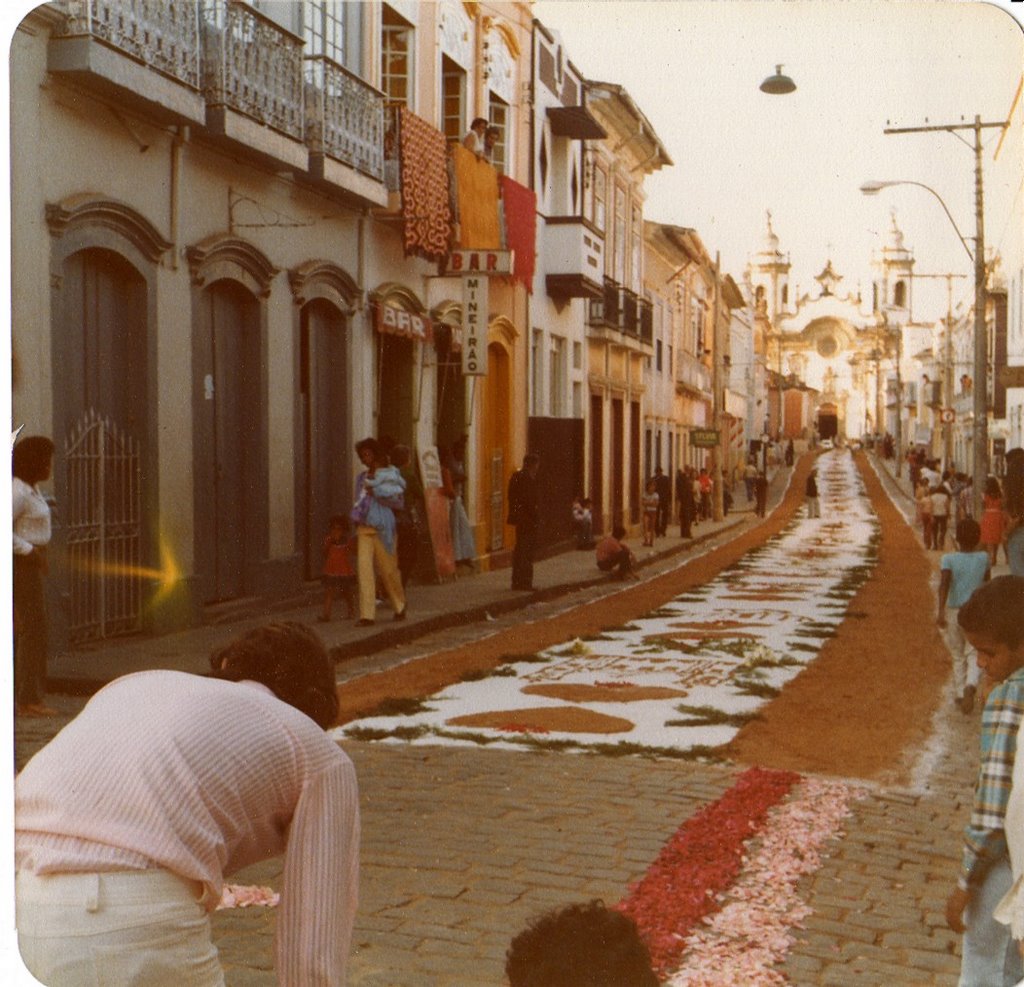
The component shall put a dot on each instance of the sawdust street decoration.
(681, 680)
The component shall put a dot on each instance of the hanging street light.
(778, 84)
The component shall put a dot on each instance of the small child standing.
(993, 622)
(338, 575)
(651, 500)
(961, 573)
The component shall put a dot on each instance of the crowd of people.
(944, 498)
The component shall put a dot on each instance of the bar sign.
(474, 324)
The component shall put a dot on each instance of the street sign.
(704, 438)
(1011, 376)
(947, 416)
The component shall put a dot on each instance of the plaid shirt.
(984, 839)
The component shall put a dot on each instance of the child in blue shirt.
(961, 573)
(993, 620)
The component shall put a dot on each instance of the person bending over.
(128, 821)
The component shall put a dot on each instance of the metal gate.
(102, 530)
(497, 500)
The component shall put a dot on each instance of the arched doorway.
(497, 441)
(323, 398)
(828, 421)
(100, 375)
(230, 479)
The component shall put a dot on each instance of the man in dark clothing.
(687, 507)
(663, 486)
(760, 495)
(524, 513)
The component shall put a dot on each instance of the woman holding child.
(380, 490)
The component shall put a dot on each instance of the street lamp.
(778, 84)
(979, 431)
(873, 188)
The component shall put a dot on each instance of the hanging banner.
(437, 505)
(474, 325)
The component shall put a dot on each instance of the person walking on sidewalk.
(992, 623)
(129, 820)
(664, 487)
(524, 515)
(651, 506)
(379, 490)
(993, 520)
(811, 492)
(923, 500)
(687, 508)
(940, 515)
(761, 495)
(961, 573)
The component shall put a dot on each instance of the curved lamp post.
(778, 84)
(979, 431)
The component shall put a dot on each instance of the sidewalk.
(431, 607)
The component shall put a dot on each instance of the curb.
(411, 631)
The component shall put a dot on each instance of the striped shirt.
(984, 836)
(202, 777)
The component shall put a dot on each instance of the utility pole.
(980, 392)
(717, 387)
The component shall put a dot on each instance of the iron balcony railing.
(253, 66)
(163, 34)
(344, 116)
(646, 321)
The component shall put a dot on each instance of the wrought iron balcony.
(605, 312)
(344, 117)
(646, 321)
(629, 321)
(162, 35)
(143, 53)
(252, 66)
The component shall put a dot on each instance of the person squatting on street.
(128, 821)
(524, 514)
(613, 553)
(993, 623)
(961, 573)
(580, 945)
(31, 464)
(380, 489)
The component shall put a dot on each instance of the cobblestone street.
(462, 845)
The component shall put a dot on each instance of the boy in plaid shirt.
(993, 622)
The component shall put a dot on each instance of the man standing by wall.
(524, 513)
(664, 487)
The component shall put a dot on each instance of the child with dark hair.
(583, 945)
(993, 622)
(961, 573)
(338, 575)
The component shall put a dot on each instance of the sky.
(694, 68)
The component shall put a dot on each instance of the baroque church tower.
(769, 276)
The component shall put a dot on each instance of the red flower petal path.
(699, 862)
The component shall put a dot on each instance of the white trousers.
(965, 658)
(115, 929)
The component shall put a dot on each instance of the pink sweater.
(202, 777)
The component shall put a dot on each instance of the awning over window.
(575, 122)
